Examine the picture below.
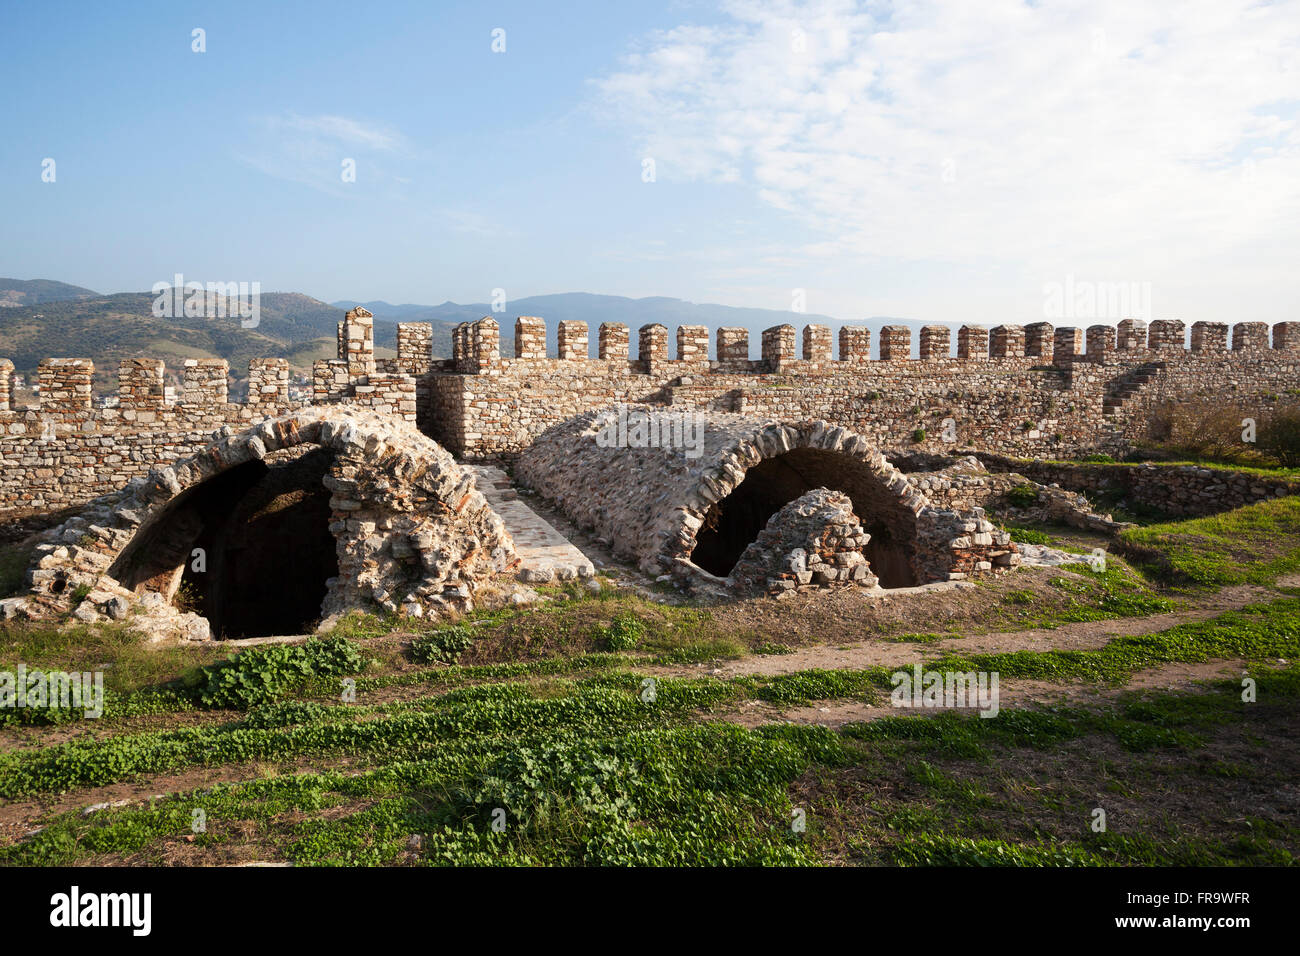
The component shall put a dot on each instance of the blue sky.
(938, 161)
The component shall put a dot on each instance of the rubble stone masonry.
(1031, 392)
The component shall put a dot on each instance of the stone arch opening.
(301, 517)
(265, 551)
(734, 521)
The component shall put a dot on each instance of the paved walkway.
(547, 555)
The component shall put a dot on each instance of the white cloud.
(311, 150)
(342, 130)
(1129, 141)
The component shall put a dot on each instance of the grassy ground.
(599, 770)
(1255, 544)
(565, 733)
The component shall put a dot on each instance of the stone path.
(547, 555)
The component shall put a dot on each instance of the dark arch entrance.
(267, 548)
(732, 523)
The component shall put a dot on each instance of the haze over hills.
(46, 318)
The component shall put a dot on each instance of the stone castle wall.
(66, 450)
(1028, 391)
(1023, 391)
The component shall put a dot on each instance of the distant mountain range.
(43, 318)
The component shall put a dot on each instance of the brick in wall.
(733, 345)
(973, 342)
(268, 381)
(936, 342)
(895, 343)
(692, 343)
(65, 384)
(571, 341)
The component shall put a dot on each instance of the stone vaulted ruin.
(205, 517)
(267, 530)
(694, 518)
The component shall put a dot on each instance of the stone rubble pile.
(965, 542)
(815, 541)
(965, 483)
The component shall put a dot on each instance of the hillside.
(20, 292)
(110, 328)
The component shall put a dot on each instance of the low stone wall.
(1185, 490)
(964, 484)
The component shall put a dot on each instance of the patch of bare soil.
(872, 653)
(849, 615)
(37, 736)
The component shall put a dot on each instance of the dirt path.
(18, 818)
(1087, 635)
(1011, 695)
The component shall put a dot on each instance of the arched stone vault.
(406, 525)
(660, 507)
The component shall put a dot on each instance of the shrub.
(187, 597)
(1279, 437)
(1023, 495)
(622, 634)
(443, 646)
(1204, 430)
(262, 674)
(918, 436)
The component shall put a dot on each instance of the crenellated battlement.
(1031, 390)
(1037, 388)
(476, 346)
